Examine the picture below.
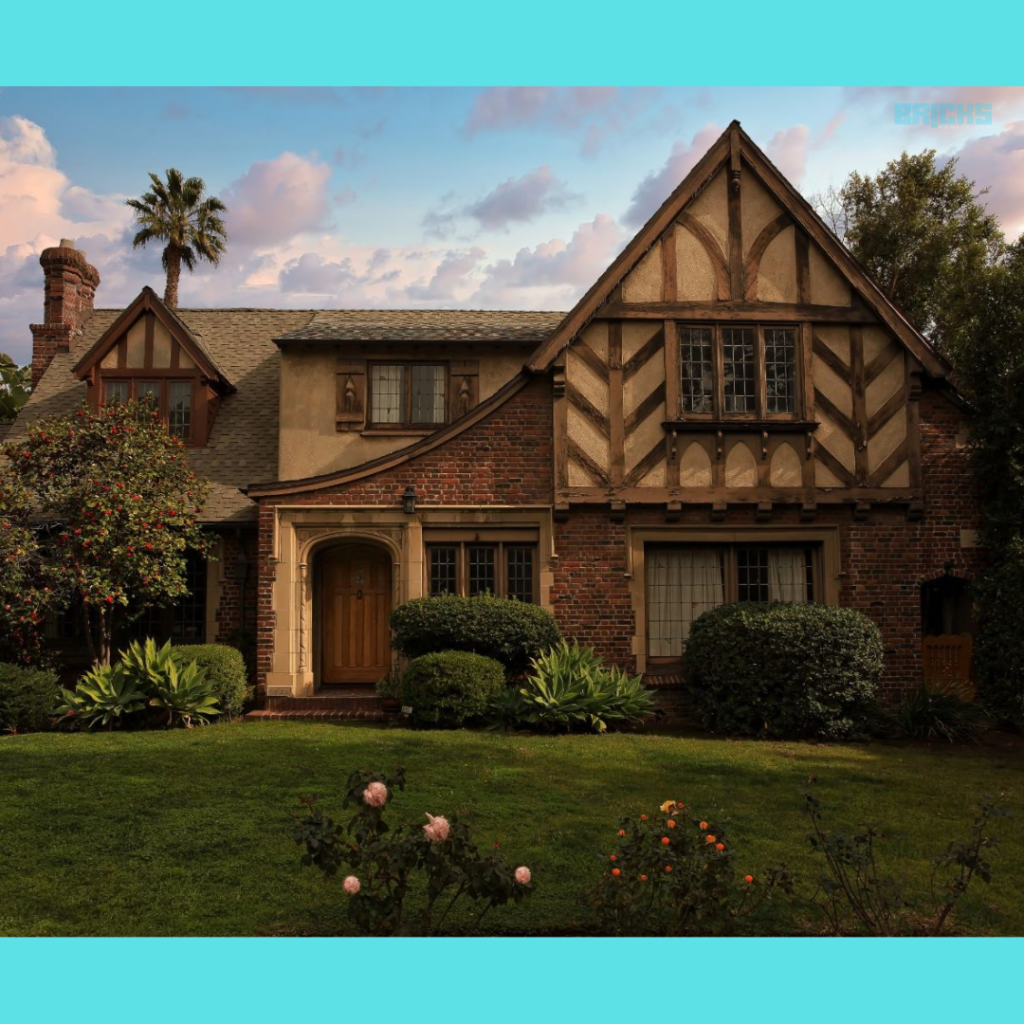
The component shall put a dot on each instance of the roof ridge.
(344, 309)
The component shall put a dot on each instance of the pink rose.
(437, 829)
(523, 875)
(375, 794)
(351, 885)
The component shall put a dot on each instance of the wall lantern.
(409, 501)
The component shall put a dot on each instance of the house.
(733, 411)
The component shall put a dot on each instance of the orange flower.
(622, 831)
(709, 839)
(668, 867)
(613, 857)
(616, 872)
(680, 805)
(749, 879)
(643, 817)
(665, 840)
(671, 823)
(703, 826)
(643, 878)
(667, 806)
(719, 847)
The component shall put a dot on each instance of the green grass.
(188, 833)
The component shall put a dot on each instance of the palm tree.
(177, 213)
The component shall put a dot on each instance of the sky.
(489, 198)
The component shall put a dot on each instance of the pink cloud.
(513, 107)
(559, 267)
(787, 149)
(996, 162)
(452, 275)
(520, 199)
(275, 200)
(657, 186)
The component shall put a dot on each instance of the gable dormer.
(736, 353)
(149, 353)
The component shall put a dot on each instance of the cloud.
(600, 111)
(520, 199)
(996, 162)
(452, 276)
(518, 106)
(275, 200)
(515, 200)
(787, 149)
(555, 269)
(658, 186)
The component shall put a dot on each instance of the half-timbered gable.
(736, 354)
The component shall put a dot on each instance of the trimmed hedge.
(784, 670)
(28, 698)
(225, 671)
(448, 688)
(509, 631)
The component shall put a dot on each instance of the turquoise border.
(467, 42)
(490, 981)
(496, 980)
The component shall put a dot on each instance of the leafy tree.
(922, 233)
(180, 213)
(23, 600)
(124, 501)
(991, 373)
(15, 386)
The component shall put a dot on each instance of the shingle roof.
(427, 325)
(243, 444)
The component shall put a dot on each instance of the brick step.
(321, 702)
(318, 715)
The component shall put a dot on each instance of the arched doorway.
(355, 610)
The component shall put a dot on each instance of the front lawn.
(187, 833)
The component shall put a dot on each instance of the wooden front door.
(355, 594)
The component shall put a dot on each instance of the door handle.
(359, 595)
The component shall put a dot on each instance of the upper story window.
(147, 364)
(743, 371)
(412, 395)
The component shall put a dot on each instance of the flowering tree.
(121, 502)
(22, 598)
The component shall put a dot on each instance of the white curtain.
(681, 584)
(787, 574)
(388, 394)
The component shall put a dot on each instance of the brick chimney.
(70, 287)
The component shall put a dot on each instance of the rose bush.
(386, 862)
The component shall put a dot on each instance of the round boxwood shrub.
(449, 688)
(28, 697)
(784, 670)
(509, 631)
(225, 671)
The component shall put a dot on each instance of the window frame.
(500, 545)
(718, 414)
(164, 380)
(407, 423)
(729, 552)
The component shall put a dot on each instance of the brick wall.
(884, 559)
(507, 459)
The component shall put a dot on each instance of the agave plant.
(146, 664)
(570, 687)
(185, 694)
(104, 696)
